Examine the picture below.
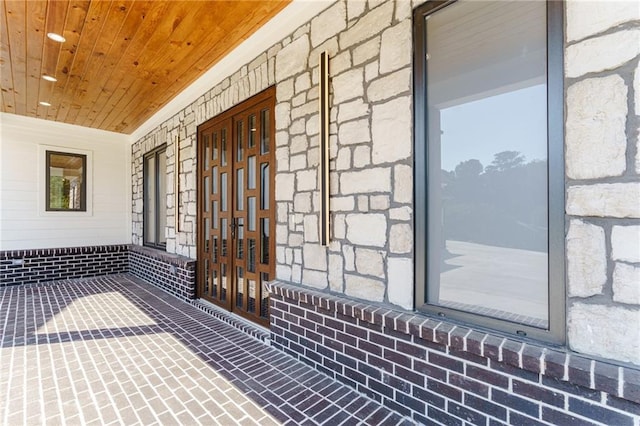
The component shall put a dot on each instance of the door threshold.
(250, 328)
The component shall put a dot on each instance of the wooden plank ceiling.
(122, 59)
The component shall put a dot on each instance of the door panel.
(236, 200)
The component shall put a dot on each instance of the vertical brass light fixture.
(323, 167)
(176, 186)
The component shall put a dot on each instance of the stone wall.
(602, 82)
(370, 257)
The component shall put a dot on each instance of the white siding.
(23, 222)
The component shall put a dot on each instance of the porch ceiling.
(122, 59)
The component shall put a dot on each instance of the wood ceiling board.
(6, 74)
(107, 80)
(107, 45)
(159, 59)
(122, 59)
(16, 24)
(232, 34)
(36, 14)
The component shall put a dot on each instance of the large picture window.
(155, 198)
(489, 164)
(66, 181)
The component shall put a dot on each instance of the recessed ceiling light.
(56, 37)
(43, 103)
(49, 77)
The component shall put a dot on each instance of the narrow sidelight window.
(489, 164)
(66, 182)
(155, 198)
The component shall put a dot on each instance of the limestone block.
(283, 115)
(607, 52)
(328, 23)
(296, 273)
(400, 238)
(604, 200)
(282, 212)
(367, 26)
(304, 110)
(586, 259)
(403, 10)
(282, 234)
(403, 183)
(283, 272)
(298, 143)
(371, 71)
(400, 213)
(299, 100)
(363, 203)
(595, 131)
(311, 228)
(364, 181)
(400, 282)
(353, 109)
(625, 243)
(285, 184)
(585, 18)
(366, 51)
(343, 161)
(315, 279)
(339, 227)
(296, 240)
(353, 132)
(361, 156)
(607, 331)
(364, 288)
(298, 127)
(313, 125)
(339, 63)
(284, 90)
(396, 47)
(379, 202)
(307, 180)
(390, 85)
(336, 273)
(302, 202)
(298, 162)
(636, 90)
(355, 8)
(370, 262)
(391, 131)
(348, 253)
(303, 82)
(367, 229)
(345, 204)
(626, 284)
(282, 159)
(348, 85)
(292, 59)
(315, 257)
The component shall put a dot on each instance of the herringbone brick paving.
(116, 350)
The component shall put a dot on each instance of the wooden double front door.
(236, 224)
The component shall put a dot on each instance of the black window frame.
(155, 153)
(83, 188)
(556, 332)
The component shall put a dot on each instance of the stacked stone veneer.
(41, 265)
(370, 257)
(603, 178)
(439, 373)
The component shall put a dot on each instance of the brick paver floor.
(116, 350)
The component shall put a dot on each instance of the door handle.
(234, 225)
